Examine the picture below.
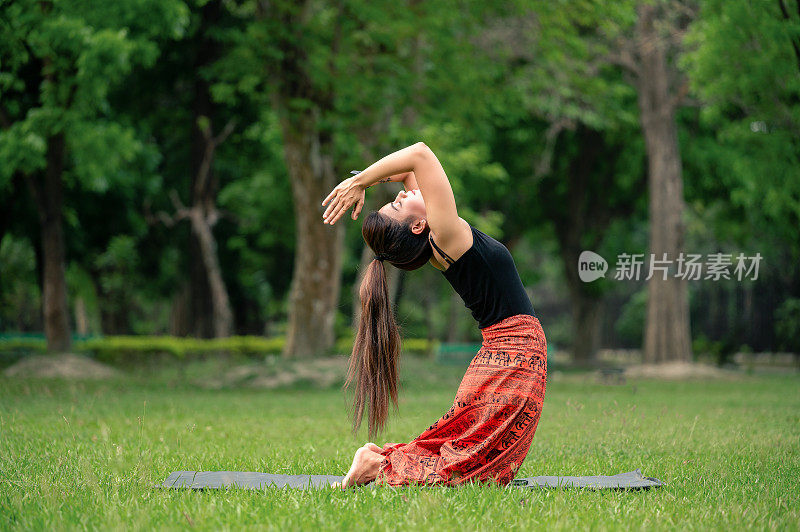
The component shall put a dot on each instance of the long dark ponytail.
(376, 350)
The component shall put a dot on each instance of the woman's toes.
(372, 447)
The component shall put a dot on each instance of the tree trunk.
(203, 216)
(221, 307)
(584, 303)
(578, 227)
(586, 313)
(209, 310)
(179, 323)
(667, 336)
(198, 314)
(49, 202)
(81, 318)
(316, 281)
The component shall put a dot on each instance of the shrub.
(117, 349)
(132, 348)
(23, 345)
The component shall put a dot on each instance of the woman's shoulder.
(453, 244)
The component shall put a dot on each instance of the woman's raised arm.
(440, 203)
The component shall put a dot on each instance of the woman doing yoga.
(487, 432)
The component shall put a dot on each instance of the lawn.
(86, 455)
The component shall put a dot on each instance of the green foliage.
(138, 348)
(264, 239)
(630, 324)
(743, 67)
(719, 352)
(128, 349)
(787, 324)
(23, 345)
(60, 61)
(19, 292)
(131, 349)
(419, 346)
(509, 95)
(472, 173)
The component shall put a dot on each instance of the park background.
(162, 165)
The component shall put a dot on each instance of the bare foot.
(372, 447)
(364, 470)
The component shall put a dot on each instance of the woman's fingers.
(335, 215)
(340, 203)
(331, 207)
(340, 209)
(340, 187)
(332, 216)
(357, 208)
(331, 195)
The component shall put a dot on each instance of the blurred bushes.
(718, 351)
(133, 348)
(116, 349)
(23, 346)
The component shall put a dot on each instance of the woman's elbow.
(421, 150)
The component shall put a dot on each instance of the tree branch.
(226, 132)
(181, 212)
(680, 95)
(180, 208)
(212, 143)
(623, 57)
(544, 165)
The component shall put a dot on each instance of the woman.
(487, 432)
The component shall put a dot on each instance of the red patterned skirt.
(487, 433)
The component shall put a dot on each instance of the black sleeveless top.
(486, 278)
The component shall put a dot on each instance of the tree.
(648, 52)
(194, 64)
(202, 213)
(667, 334)
(322, 90)
(565, 122)
(59, 62)
(743, 66)
(754, 119)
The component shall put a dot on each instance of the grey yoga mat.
(226, 479)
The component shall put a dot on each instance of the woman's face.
(407, 203)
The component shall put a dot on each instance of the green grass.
(85, 455)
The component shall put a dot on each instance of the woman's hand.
(348, 193)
